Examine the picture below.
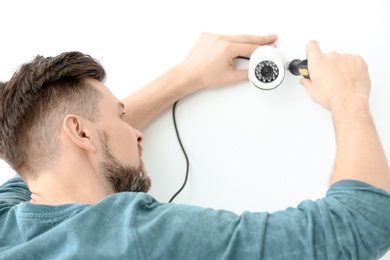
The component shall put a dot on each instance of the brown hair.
(34, 102)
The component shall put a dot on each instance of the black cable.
(184, 152)
(181, 145)
(242, 57)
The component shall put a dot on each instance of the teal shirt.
(351, 222)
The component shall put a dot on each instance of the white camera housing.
(267, 68)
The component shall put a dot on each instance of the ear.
(79, 131)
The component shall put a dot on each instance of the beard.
(123, 177)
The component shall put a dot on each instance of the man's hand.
(335, 79)
(341, 84)
(210, 63)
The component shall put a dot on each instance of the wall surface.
(248, 149)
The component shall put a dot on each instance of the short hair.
(34, 102)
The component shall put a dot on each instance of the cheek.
(127, 146)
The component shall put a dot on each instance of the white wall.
(248, 149)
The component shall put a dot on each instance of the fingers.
(244, 45)
(313, 50)
(237, 45)
(243, 50)
(253, 39)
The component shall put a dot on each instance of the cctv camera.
(267, 68)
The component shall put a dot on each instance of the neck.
(79, 184)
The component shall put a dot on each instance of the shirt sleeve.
(351, 222)
(14, 191)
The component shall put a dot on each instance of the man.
(77, 148)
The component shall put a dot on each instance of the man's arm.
(209, 64)
(341, 84)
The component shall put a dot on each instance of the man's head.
(48, 95)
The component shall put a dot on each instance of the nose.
(139, 135)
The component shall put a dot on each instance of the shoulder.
(353, 215)
(14, 191)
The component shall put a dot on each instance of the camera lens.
(267, 71)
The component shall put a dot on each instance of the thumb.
(236, 76)
(307, 84)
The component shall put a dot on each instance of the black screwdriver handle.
(303, 69)
(299, 67)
